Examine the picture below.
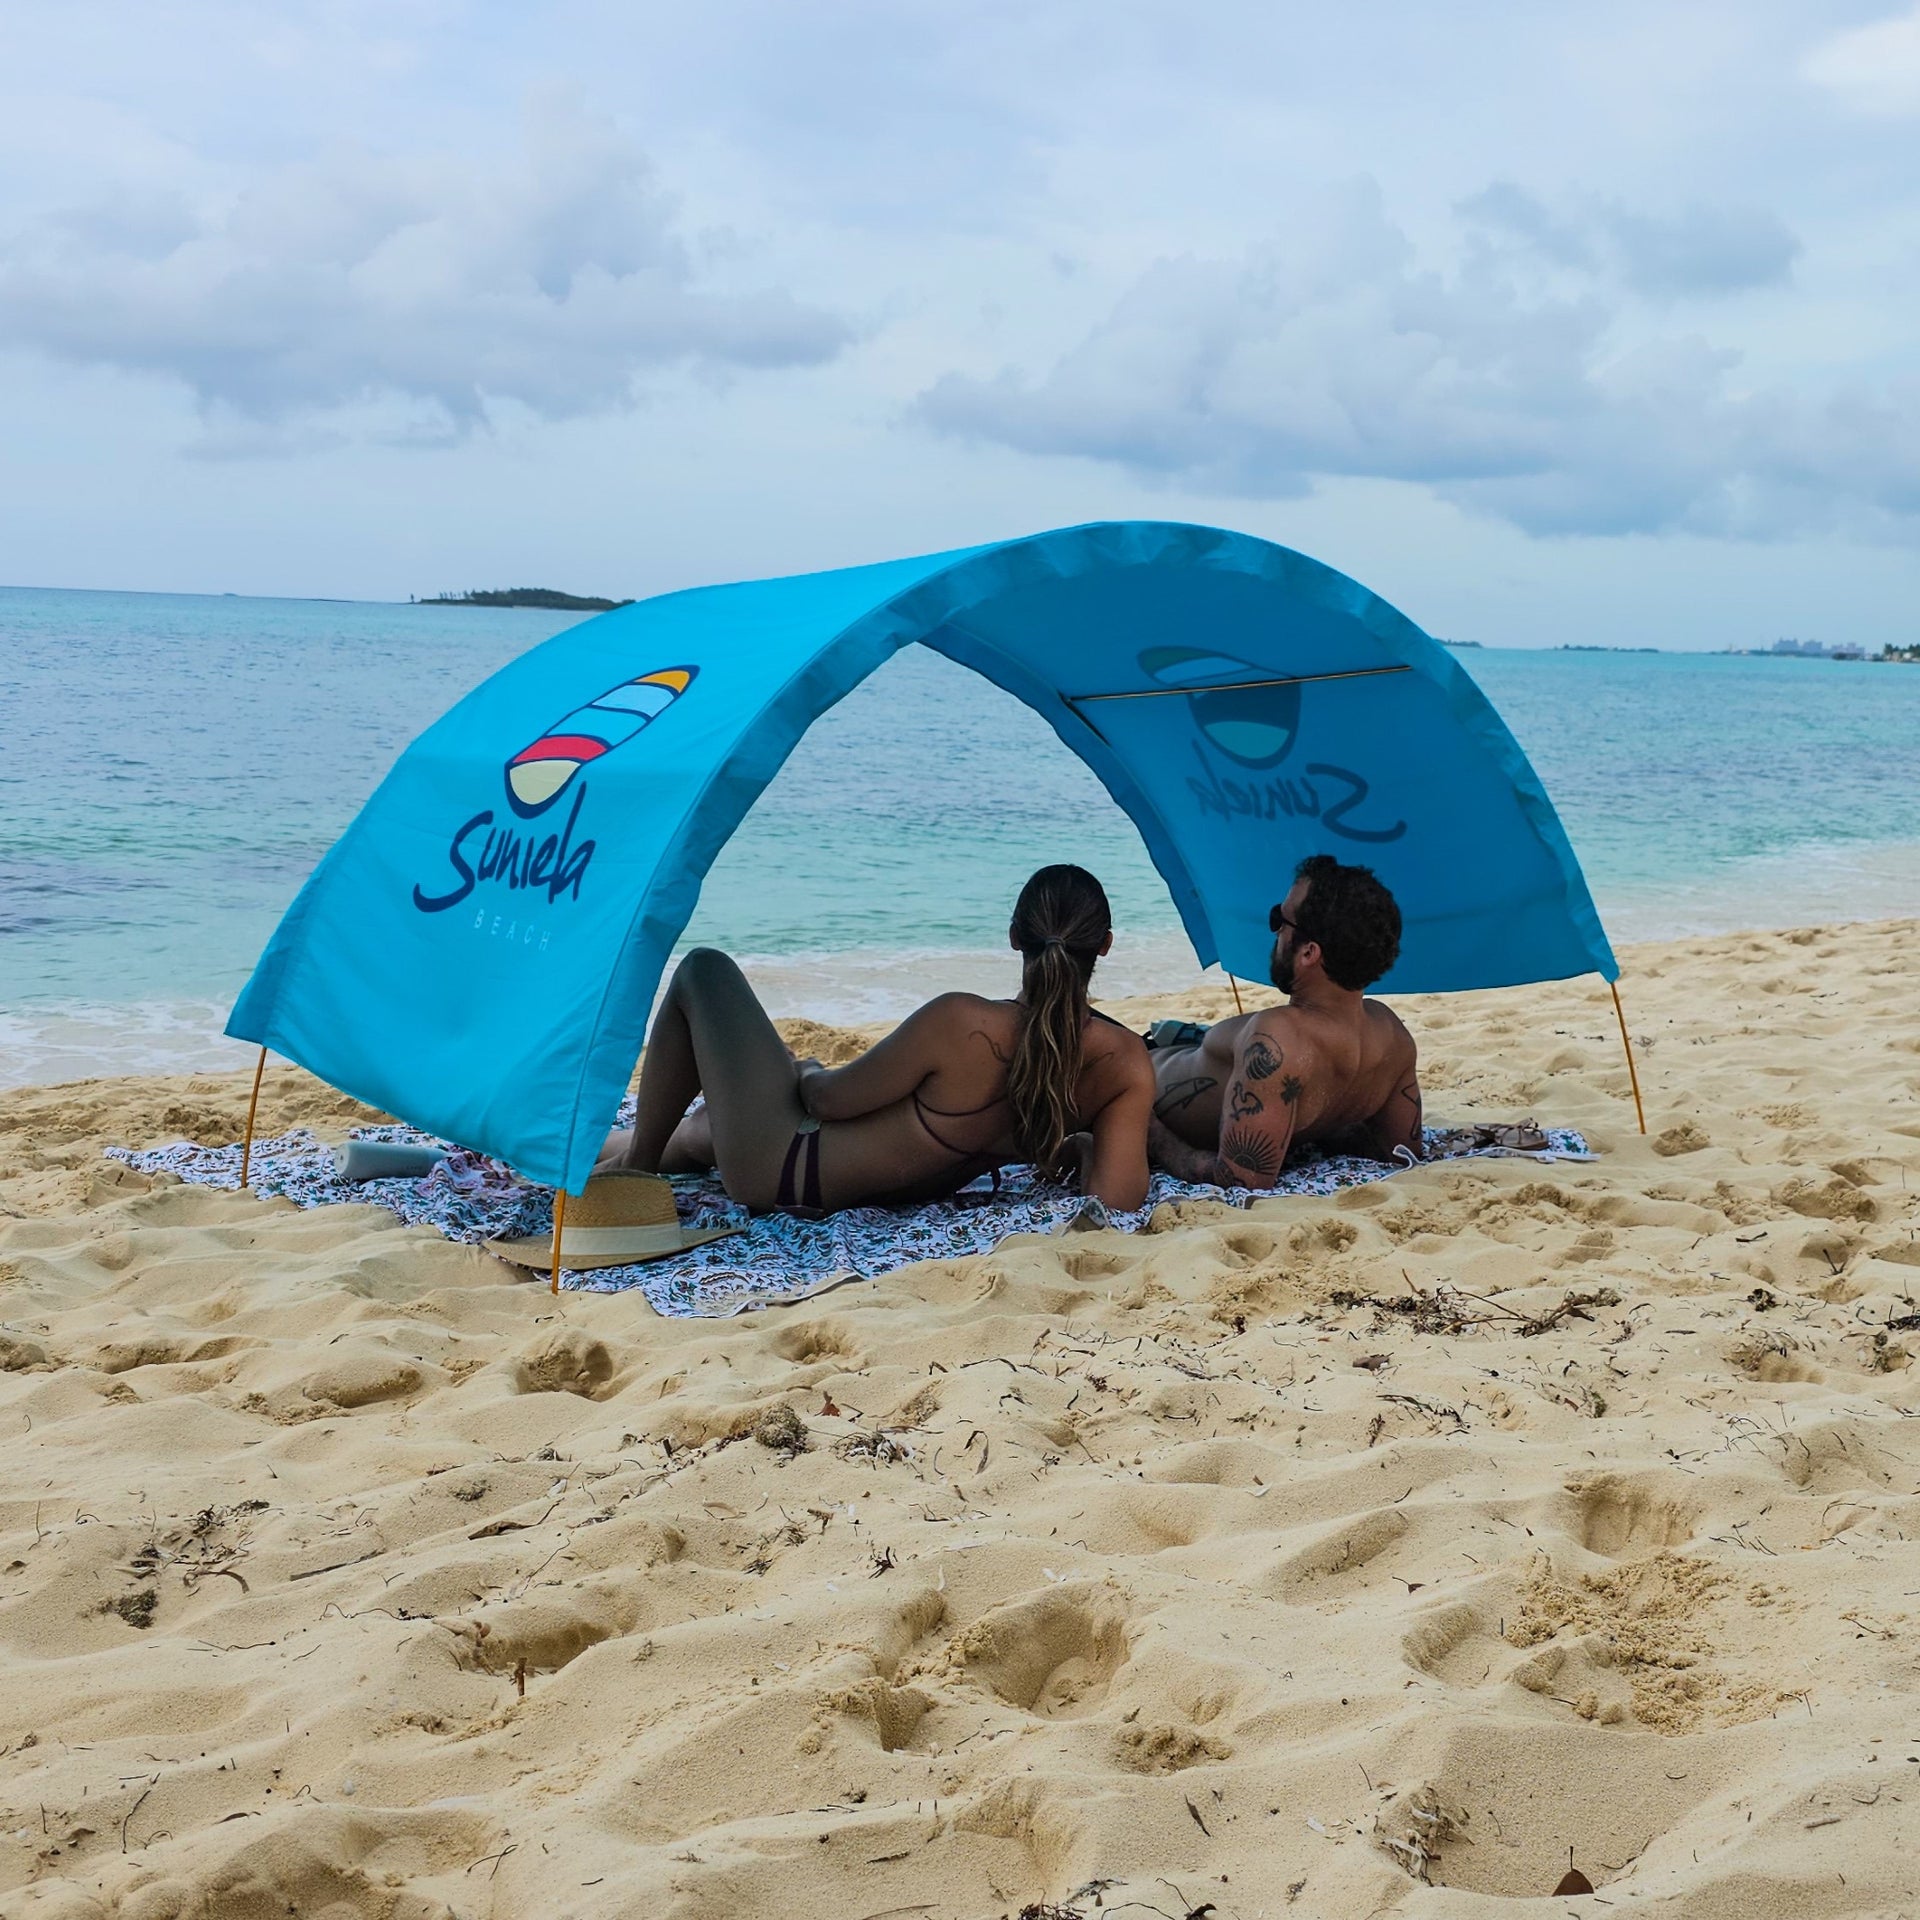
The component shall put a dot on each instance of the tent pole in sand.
(253, 1107)
(560, 1220)
(1632, 1071)
(1235, 985)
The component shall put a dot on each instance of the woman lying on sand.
(961, 1087)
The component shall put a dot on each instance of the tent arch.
(1242, 703)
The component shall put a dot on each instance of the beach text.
(1283, 799)
(513, 860)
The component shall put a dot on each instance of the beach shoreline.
(1387, 1551)
(48, 1042)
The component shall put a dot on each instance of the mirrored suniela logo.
(1255, 726)
(543, 770)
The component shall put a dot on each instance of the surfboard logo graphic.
(541, 772)
(1255, 726)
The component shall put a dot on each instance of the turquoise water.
(174, 765)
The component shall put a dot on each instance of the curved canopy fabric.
(479, 951)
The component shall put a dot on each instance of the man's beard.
(1281, 971)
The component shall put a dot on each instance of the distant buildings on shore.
(1815, 650)
(1564, 647)
(1780, 650)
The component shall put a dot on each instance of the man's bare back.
(1330, 1067)
(1342, 1084)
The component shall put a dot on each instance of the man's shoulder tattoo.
(1263, 1058)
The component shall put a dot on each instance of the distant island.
(1460, 643)
(1573, 646)
(548, 598)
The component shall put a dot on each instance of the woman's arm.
(889, 1070)
(1114, 1169)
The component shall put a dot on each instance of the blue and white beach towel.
(775, 1259)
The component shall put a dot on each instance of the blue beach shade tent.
(480, 950)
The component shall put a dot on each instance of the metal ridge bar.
(1232, 686)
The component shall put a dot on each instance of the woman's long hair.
(1060, 923)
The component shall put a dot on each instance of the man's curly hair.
(1352, 916)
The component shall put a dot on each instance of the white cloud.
(1699, 251)
(929, 168)
(554, 277)
(1875, 68)
(1517, 383)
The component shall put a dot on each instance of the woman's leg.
(691, 1148)
(669, 1078)
(712, 1036)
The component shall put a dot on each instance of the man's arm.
(1401, 1122)
(1167, 1151)
(1256, 1118)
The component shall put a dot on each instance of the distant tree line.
(548, 597)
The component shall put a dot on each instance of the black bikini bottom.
(805, 1145)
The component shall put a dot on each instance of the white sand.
(1166, 1579)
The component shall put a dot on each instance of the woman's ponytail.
(1060, 924)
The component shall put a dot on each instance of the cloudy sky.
(1548, 322)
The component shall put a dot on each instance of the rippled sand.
(1385, 1554)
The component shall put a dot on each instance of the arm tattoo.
(1251, 1152)
(1183, 1093)
(1291, 1089)
(1243, 1104)
(1263, 1058)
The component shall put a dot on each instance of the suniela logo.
(1255, 728)
(536, 778)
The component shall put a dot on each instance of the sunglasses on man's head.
(1277, 918)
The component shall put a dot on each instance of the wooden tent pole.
(1632, 1072)
(1235, 985)
(253, 1107)
(560, 1221)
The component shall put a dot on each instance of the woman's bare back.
(955, 1121)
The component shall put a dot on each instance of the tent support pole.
(1232, 686)
(559, 1221)
(1238, 1007)
(253, 1107)
(1633, 1073)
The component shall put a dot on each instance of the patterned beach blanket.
(774, 1260)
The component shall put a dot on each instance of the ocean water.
(171, 767)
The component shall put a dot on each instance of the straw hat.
(620, 1219)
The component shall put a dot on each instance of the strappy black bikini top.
(921, 1110)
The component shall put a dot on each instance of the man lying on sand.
(958, 1089)
(1329, 1067)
